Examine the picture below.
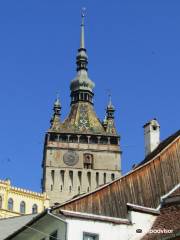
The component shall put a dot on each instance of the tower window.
(83, 139)
(63, 138)
(89, 178)
(71, 177)
(22, 207)
(62, 176)
(114, 140)
(80, 177)
(34, 208)
(104, 178)
(112, 176)
(52, 176)
(88, 161)
(10, 204)
(53, 137)
(97, 179)
(104, 140)
(86, 96)
(81, 96)
(93, 140)
(73, 138)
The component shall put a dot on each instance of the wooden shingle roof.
(144, 185)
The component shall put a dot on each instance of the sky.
(133, 49)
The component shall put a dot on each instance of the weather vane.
(109, 94)
(83, 12)
(57, 95)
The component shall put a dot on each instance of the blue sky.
(133, 49)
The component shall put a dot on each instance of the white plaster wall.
(107, 231)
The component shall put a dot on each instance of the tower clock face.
(70, 158)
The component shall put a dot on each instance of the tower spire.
(81, 86)
(82, 58)
(82, 42)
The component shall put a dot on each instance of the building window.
(103, 140)
(88, 161)
(1, 201)
(112, 176)
(89, 178)
(114, 141)
(63, 138)
(10, 204)
(52, 176)
(73, 138)
(93, 140)
(104, 178)
(90, 236)
(34, 208)
(71, 178)
(97, 179)
(83, 139)
(53, 235)
(80, 178)
(22, 207)
(62, 176)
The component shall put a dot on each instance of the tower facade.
(81, 153)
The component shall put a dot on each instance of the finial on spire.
(57, 101)
(110, 99)
(83, 14)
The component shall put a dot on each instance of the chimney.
(151, 136)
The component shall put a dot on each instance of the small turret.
(108, 122)
(55, 120)
(110, 109)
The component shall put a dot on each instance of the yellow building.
(16, 201)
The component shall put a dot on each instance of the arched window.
(22, 207)
(34, 208)
(10, 204)
(104, 178)
(112, 176)
(0, 201)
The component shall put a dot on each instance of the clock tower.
(81, 153)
